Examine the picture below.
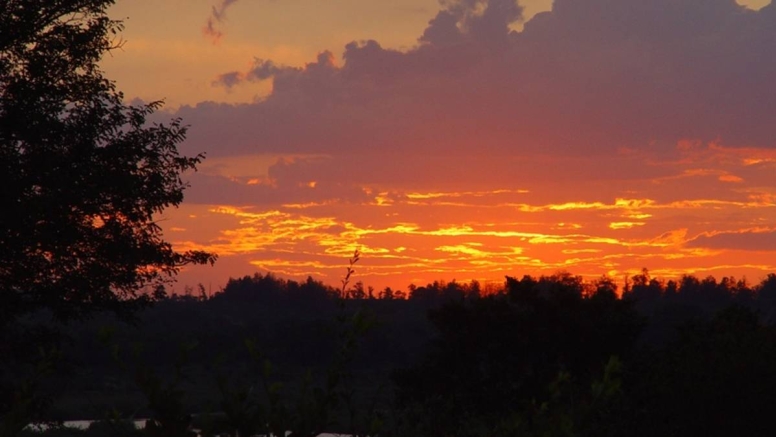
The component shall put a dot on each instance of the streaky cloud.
(758, 239)
(217, 16)
(621, 134)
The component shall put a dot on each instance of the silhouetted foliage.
(500, 353)
(82, 176)
(82, 173)
(270, 290)
(715, 379)
(539, 356)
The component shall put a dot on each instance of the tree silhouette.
(715, 379)
(82, 177)
(497, 354)
(82, 173)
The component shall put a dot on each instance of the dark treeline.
(85, 177)
(554, 355)
(707, 293)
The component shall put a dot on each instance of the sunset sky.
(465, 139)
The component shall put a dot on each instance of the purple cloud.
(588, 79)
(743, 240)
(217, 16)
(261, 70)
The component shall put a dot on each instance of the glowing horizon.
(466, 140)
(497, 233)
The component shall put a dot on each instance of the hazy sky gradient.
(467, 139)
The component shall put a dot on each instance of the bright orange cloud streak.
(402, 243)
(488, 144)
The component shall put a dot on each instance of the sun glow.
(443, 152)
(486, 234)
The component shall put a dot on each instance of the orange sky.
(466, 140)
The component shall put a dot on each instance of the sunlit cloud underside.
(597, 137)
(663, 223)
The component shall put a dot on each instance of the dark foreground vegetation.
(87, 330)
(541, 356)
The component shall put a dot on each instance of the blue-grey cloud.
(747, 240)
(217, 16)
(589, 79)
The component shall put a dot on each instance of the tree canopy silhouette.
(501, 352)
(82, 173)
(82, 176)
